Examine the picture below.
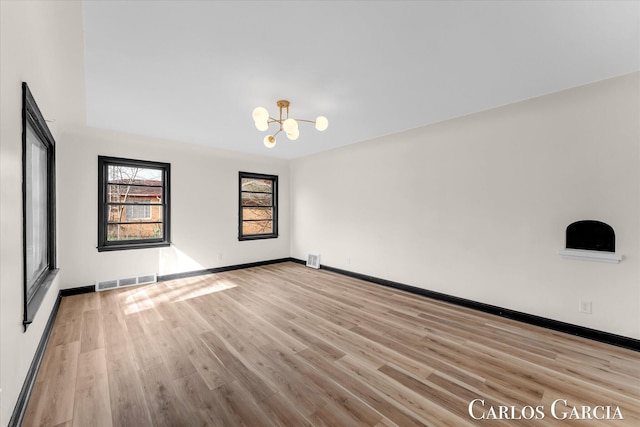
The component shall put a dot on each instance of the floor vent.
(313, 260)
(125, 281)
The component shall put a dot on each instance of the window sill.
(258, 237)
(128, 246)
(36, 300)
(586, 255)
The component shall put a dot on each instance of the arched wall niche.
(590, 240)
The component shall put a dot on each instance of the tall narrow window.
(38, 206)
(133, 204)
(258, 208)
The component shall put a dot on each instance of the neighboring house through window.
(38, 206)
(133, 204)
(258, 210)
(138, 212)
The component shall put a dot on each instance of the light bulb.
(260, 114)
(269, 141)
(321, 123)
(289, 125)
(262, 125)
(293, 135)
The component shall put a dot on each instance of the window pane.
(134, 193)
(127, 175)
(36, 208)
(253, 184)
(257, 213)
(135, 213)
(138, 212)
(256, 199)
(134, 231)
(257, 227)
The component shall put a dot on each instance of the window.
(138, 212)
(258, 209)
(133, 204)
(38, 206)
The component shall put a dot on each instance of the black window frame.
(274, 206)
(103, 205)
(34, 294)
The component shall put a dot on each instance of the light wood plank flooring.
(285, 345)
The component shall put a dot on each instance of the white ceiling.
(193, 71)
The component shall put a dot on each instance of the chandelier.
(287, 124)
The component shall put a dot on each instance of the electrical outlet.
(219, 256)
(584, 306)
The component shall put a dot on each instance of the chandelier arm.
(272, 120)
(304, 120)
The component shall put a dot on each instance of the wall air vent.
(106, 284)
(150, 278)
(313, 260)
(103, 285)
(128, 281)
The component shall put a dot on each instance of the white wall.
(477, 207)
(40, 43)
(204, 208)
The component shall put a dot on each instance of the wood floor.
(285, 345)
